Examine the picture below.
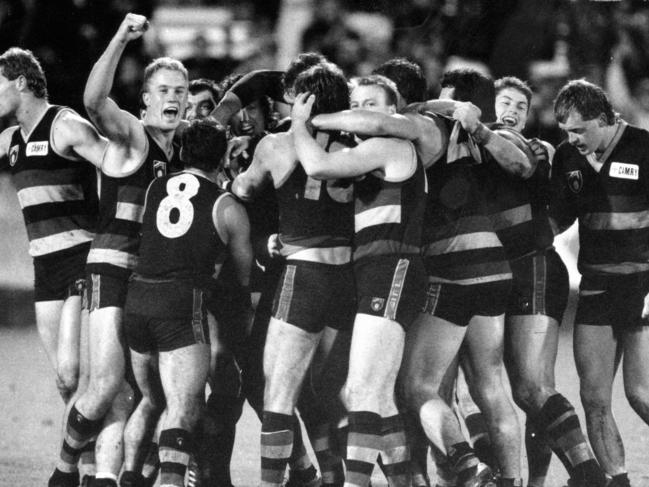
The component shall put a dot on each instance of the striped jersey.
(460, 244)
(518, 207)
(315, 214)
(121, 206)
(388, 214)
(179, 239)
(612, 204)
(57, 194)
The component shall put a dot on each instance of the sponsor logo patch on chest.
(37, 148)
(624, 171)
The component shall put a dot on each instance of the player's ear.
(602, 122)
(146, 98)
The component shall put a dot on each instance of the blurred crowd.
(542, 42)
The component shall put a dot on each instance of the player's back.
(179, 238)
(315, 213)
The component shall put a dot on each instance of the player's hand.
(236, 147)
(301, 111)
(274, 245)
(645, 308)
(539, 150)
(468, 115)
(132, 27)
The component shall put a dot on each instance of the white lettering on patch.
(37, 149)
(624, 171)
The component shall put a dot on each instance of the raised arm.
(249, 88)
(366, 122)
(506, 153)
(74, 135)
(114, 123)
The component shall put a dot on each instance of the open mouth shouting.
(170, 114)
(509, 120)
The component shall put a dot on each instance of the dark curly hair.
(17, 62)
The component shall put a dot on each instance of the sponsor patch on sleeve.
(624, 171)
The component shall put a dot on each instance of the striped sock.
(539, 454)
(87, 458)
(364, 443)
(331, 465)
(174, 451)
(276, 446)
(484, 450)
(395, 452)
(79, 431)
(463, 460)
(561, 424)
(151, 463)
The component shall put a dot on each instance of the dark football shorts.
(164, 315)
(105, 291)
(615, 301)
(391, 287)
(59, 276)
(458, 303)
(540, 286)
(312, 295)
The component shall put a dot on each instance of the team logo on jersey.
(624, 171)
(37, 148)
(377, 304)
(13, 155)
(159, 169)
(575, 181)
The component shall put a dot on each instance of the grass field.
(30, 408)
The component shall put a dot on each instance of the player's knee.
(528, 395)
(418, 391)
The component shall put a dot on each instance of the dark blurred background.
(543, 41)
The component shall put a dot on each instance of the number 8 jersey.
(179, 237)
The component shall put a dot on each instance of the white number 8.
(179, 189)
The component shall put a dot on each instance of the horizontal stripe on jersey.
(58, 195)
(315, 213)
(115, 248)
(460, 244)
(388, 215)
(612, 205)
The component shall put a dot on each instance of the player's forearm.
(365, 122)
(353, 121)
(507, 155)
(100, 81)
(229, 105)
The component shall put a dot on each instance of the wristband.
(482, 135)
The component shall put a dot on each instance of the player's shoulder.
(5, 138)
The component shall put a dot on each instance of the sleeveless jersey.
(388, 215)
(179, 240)
(612, 205)
(115, 247)
(460, 245)
(313, 213)
(57, 194)
(518, 207)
